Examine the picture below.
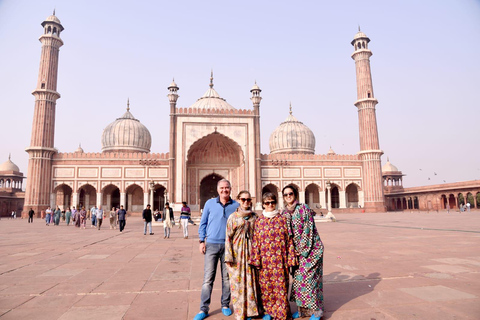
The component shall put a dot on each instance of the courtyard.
(402, 265)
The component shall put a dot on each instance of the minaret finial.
(358, 27)
(53, 11)
(211, 79)
(388, 159)
(9, 155)
(290, 107)
(128, 104)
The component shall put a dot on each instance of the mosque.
(208, 141)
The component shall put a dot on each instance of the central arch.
(209, 159)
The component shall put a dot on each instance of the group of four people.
(257, 253)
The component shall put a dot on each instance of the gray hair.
(224, 180)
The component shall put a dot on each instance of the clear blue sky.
(425, 69)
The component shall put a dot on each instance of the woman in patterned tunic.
(243, 277)
(307, 287)
(272, 253)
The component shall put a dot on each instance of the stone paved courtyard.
(377, 266)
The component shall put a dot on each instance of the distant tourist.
(113, 218)
(122, 218)
(68, 216)
(468, 206)
(58, 213)
(48, 216)
(307, 286)
(212, 229)
(147, 220)
(99, 215)
(185, 215)
(31, 213)
(93, 216)
(83, 218)
(168, 220)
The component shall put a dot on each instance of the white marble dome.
(292, 136)
(9, 166)
(388, 167)
(126, 134)
(212, 100)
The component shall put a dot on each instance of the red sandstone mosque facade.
(209, 140)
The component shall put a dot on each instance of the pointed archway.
(208, 159)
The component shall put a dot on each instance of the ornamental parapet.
(111, 155)
(194, 111)
(310, 157)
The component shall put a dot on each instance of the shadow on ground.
(340, 289)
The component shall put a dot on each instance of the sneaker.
(151, 234)
(200, 316)
(296, 315)
(267, 317)
(226, 311)
(313, 317)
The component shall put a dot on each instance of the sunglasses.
(246, 199)
(270, 203)
(288, 194)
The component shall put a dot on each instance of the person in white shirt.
(99, 214)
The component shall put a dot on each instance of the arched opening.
(312, 196)
(134, 199)
(399, 204)
(269, 188)
(415, 203)
(352, 196)
(158, 197)
(214, 154)
(470, 201)
(63, 196)
(461, 199)
(87, 197)
(335, 197)
(208, 188)
(111, 197)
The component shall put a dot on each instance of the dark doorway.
(208, 188)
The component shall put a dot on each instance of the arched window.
(49, 30)
(54, 30)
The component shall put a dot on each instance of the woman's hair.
(244, 191)
(269, 195)
(295, 190)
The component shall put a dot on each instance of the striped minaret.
(370, 152)
(41, 150)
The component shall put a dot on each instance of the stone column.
(321, 196)
(280, 199)
(99, 199)
(301, 196)
(343, 199)
(75, 199)
(122, 200)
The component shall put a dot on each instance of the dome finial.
(388, 159)
(211, 79)
(290, 107)
(53, 11)
(128, 104)
(359, 27)
(9, 156)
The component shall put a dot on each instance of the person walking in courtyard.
(122, 218)
(185, 215)
(307, 286)
(113, 218)
(273, 253)
(58, 213)
(238, 245)
(48, 216)
(211, 233)
(76, 217)
(68, 216)
(83, 218)
(93, 216)
(31, 213)
(168, 220)
(147, 220)
(100, 215)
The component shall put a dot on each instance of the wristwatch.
(201, 241)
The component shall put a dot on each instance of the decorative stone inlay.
(88, 172)
(270, 173)
(292, 173)
(158, 172)
(334, 173)
(352, 172)
(111, 172)
(64, 173)
(134, 173)
(312, 172)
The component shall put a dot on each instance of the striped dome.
(126, 134)
(292, 136)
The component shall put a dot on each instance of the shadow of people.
(340, 288)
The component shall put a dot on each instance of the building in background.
(11, 189)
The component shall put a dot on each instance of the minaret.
(41, 150)
(256, 98)
(172, 98)
(370, 152)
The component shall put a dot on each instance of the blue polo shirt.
(213, 224)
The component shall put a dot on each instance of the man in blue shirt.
(212, 229)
